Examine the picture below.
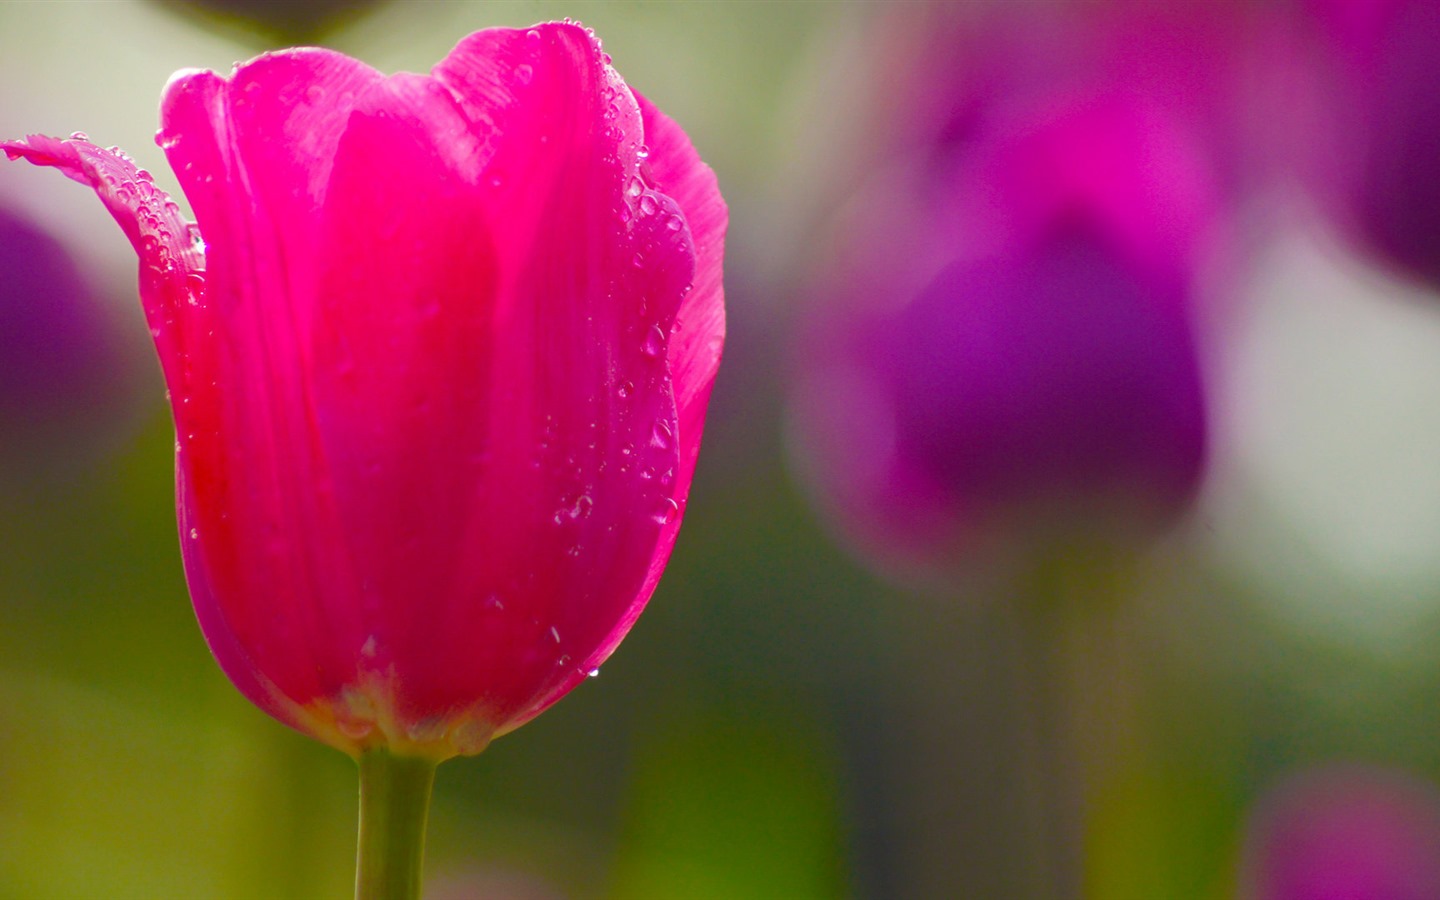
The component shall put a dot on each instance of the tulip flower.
(1007, 355)
(1373, 152)
(1345, 832)
(439, 349)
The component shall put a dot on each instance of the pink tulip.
(1345, 832)
(1372, 157)
(439, 368)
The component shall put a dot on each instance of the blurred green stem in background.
(394, 804)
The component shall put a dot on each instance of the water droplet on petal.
(79, 136)
(428, 730)
(593, 673)
(654, 341)
(354, 729)
(648, 205)
(662, 435)
(194, 532)
(667, 511)
(555, 633)
(634, 189)
(523, 73)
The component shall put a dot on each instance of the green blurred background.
(780, 724)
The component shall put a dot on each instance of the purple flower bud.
(1006, 359)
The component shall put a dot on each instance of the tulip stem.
(394, 804)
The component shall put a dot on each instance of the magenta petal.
(689, 203)
(172, 258)
(699, 333)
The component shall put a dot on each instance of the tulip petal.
(509, 286)
(673, 169)
(172, 259)
(253, 154)
(699, 332)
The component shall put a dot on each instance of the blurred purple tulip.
(1375, 148)
(62, 372)
(1001, 356)
(1345, 832)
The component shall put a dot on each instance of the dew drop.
(354, 729)
(643, 152)
(523, 73)
(648, 205)
(635, 188)
(654, 341)
(194, 532)
(564, 660)
(555, 633)
(675, 223)
(593, 673)
(626, 389)
(428, 730)
(79, 136)
(493, 602)
(638, 260)
(662, 435)
(667, 511)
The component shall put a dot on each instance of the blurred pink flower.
(1345, 832)
(439, 368)
(1001, 356)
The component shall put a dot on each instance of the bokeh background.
(796, 715)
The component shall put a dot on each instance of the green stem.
(394, 803)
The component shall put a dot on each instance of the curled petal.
(172, 257)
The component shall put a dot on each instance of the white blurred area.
(1325, 491)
